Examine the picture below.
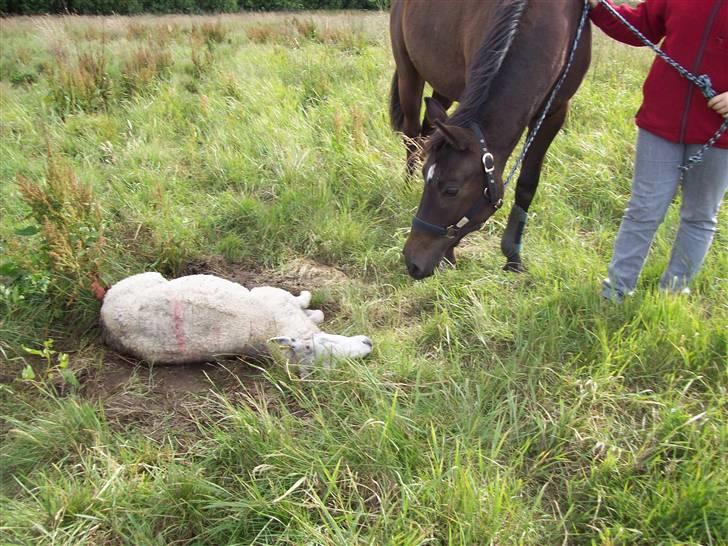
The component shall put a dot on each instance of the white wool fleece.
(202, 317)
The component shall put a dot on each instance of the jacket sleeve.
(648, 17)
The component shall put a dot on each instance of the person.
(674, 121)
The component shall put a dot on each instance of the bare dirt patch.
(155, 399)
(301, 274)
(297, 275)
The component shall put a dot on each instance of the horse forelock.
(485, 67)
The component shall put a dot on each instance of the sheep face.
(324, 348)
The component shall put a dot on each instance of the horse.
(499, 59)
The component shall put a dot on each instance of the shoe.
(685, 291)
(613, 294)
(676, 286)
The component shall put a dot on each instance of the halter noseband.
(491, 196)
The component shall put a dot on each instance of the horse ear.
(454, 136)
(434, 111)
(437, 115)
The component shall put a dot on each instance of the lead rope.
(552, 96)
(702, 82)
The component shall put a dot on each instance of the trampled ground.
(495, 409)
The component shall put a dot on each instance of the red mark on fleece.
(178, 334)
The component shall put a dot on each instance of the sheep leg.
(304, 299)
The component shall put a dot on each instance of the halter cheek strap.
(491, 192)
(491, 196)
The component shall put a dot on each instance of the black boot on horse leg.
(526, 188)
(511, 241)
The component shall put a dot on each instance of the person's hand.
(719, 103)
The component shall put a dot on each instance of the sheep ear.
(282, 341)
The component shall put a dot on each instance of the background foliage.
(130, 7)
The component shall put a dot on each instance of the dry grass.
(294, 30)
(210, 32)
(80, 82)
(143, 66)
(266, 33)
(71, 225)
(201, 55)
(160, 33)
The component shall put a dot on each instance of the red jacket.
(695, 34)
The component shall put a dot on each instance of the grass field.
(495, 409)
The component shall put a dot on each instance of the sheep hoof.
(316, 315)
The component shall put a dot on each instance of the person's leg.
(703, 188)
(655, 181)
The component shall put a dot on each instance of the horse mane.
(485, 66)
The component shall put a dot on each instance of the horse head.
(462, 189)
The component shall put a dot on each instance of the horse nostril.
(416, 272)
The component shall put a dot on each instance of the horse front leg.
(511, 240)
(450, 255)
(526, 187)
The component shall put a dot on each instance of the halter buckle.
(488, 162)
(451, 232)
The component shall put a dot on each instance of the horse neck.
(524, 78)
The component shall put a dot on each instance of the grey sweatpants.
(655, 183)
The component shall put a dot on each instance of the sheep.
(200, 318)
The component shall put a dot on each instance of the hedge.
(128, 7)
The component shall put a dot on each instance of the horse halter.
(491, 196)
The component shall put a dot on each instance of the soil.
(296, 276)
(155, 399)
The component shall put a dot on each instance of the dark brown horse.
(499, 59)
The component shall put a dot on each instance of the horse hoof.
(514, 267)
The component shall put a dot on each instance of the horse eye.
(451, 191)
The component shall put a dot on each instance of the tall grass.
(143, 66)
(80, 82)
(496, 409)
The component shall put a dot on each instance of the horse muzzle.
(423, 253)
(418, 272)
